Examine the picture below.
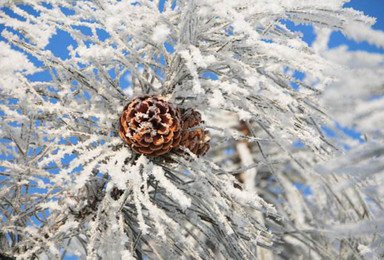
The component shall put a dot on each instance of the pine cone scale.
(150, 125)
(196, 140)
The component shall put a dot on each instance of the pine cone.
(150, 125)
(196, 140)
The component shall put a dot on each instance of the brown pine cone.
(150, 125)
(194, 138)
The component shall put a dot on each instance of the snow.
(274, 183)
(217, 100)
(95, 52)
(244, 115)
(160, 33)
(171, 189)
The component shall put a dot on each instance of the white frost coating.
(171, 189)
(70, 184)
(127, 255)
(244, 115)
(367, 253)
(13, 61)
(358, 229)
(160, 33)
(136, 178)
(94, 52)
(189, 62)
(217, 100)
(68, 226)
(119, 178)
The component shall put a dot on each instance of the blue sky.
(59, 43)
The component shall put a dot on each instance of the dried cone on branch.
(195, 138)
(150, 125)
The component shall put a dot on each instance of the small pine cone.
(194, 138)
(150, 125)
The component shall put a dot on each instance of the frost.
(16, 61)
(244, 115)
(160, 34)
(172, 190)
(217, 100)
(95, 52)
(274, 184)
